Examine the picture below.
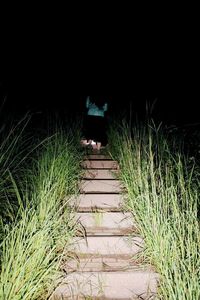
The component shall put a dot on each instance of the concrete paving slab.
(102, 264)
(100, 174)
(100, 186)
(108, 285)
(91, 202)
(105, 220)
(108, 245)
(100, 164)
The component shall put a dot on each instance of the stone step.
(103, 264)
(99, 164)
(100, 186)
(93, 202)
(104, 231)
(107, 245)
(97, 157)
(100, 174)
(106, 223)
(90, 151)
(108, 285)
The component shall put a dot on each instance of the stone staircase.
(106, 263)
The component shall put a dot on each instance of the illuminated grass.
(163, 194)
(37, 240)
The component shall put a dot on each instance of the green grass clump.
(14, 147)
(38, 237)
(162, 186)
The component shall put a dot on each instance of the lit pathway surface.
(107, 265)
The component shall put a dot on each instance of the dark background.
(171, 106)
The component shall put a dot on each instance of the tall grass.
(162, 187)
(37, 240)
(13, 151)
